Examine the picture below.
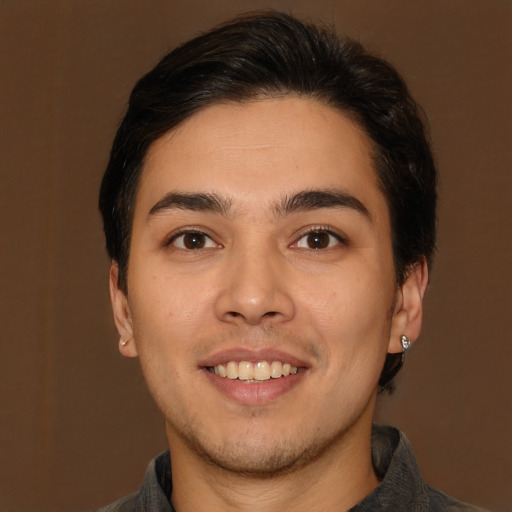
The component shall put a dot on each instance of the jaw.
(259, 435)
(260, 470)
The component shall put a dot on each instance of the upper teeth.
(262, 370)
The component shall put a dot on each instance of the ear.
(408, 310)
(122, 314)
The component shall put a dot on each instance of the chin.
(258, 457)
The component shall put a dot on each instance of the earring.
(406, 343)
(125, 342)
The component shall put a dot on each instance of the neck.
(337, 480)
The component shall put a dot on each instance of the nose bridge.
(255, 288)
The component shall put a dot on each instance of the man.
(269, 208)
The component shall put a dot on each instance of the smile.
(253, 372)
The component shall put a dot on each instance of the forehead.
(260, 149)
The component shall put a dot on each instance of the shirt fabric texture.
(402, 489)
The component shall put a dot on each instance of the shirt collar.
(401, 487)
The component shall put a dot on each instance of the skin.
(259, 283)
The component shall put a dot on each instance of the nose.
(255, 289)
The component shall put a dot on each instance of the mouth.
(254, 377)
(254, 372)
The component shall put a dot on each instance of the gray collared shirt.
(402, 489)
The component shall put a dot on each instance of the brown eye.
(318, 239)
(193, 240)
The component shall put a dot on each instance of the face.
(261, 292)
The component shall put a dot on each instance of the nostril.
(236, 314)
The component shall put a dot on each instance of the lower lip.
(254, 393)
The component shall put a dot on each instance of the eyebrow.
(198, 202)
(303, 201)
(318, 199)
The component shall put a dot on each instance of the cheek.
(166, 298)
(167, 318)
(350, 303)
(351, 321)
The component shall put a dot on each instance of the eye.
(192, 240)
(318, 239)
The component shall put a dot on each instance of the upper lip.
(254, 356)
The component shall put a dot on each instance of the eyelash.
(208, 240)
(189, 231)
(323, 230)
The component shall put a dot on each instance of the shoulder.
(126, 504)
(402, 488)
(441, 502)
(153, 493)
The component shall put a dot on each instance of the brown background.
(77, 427)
